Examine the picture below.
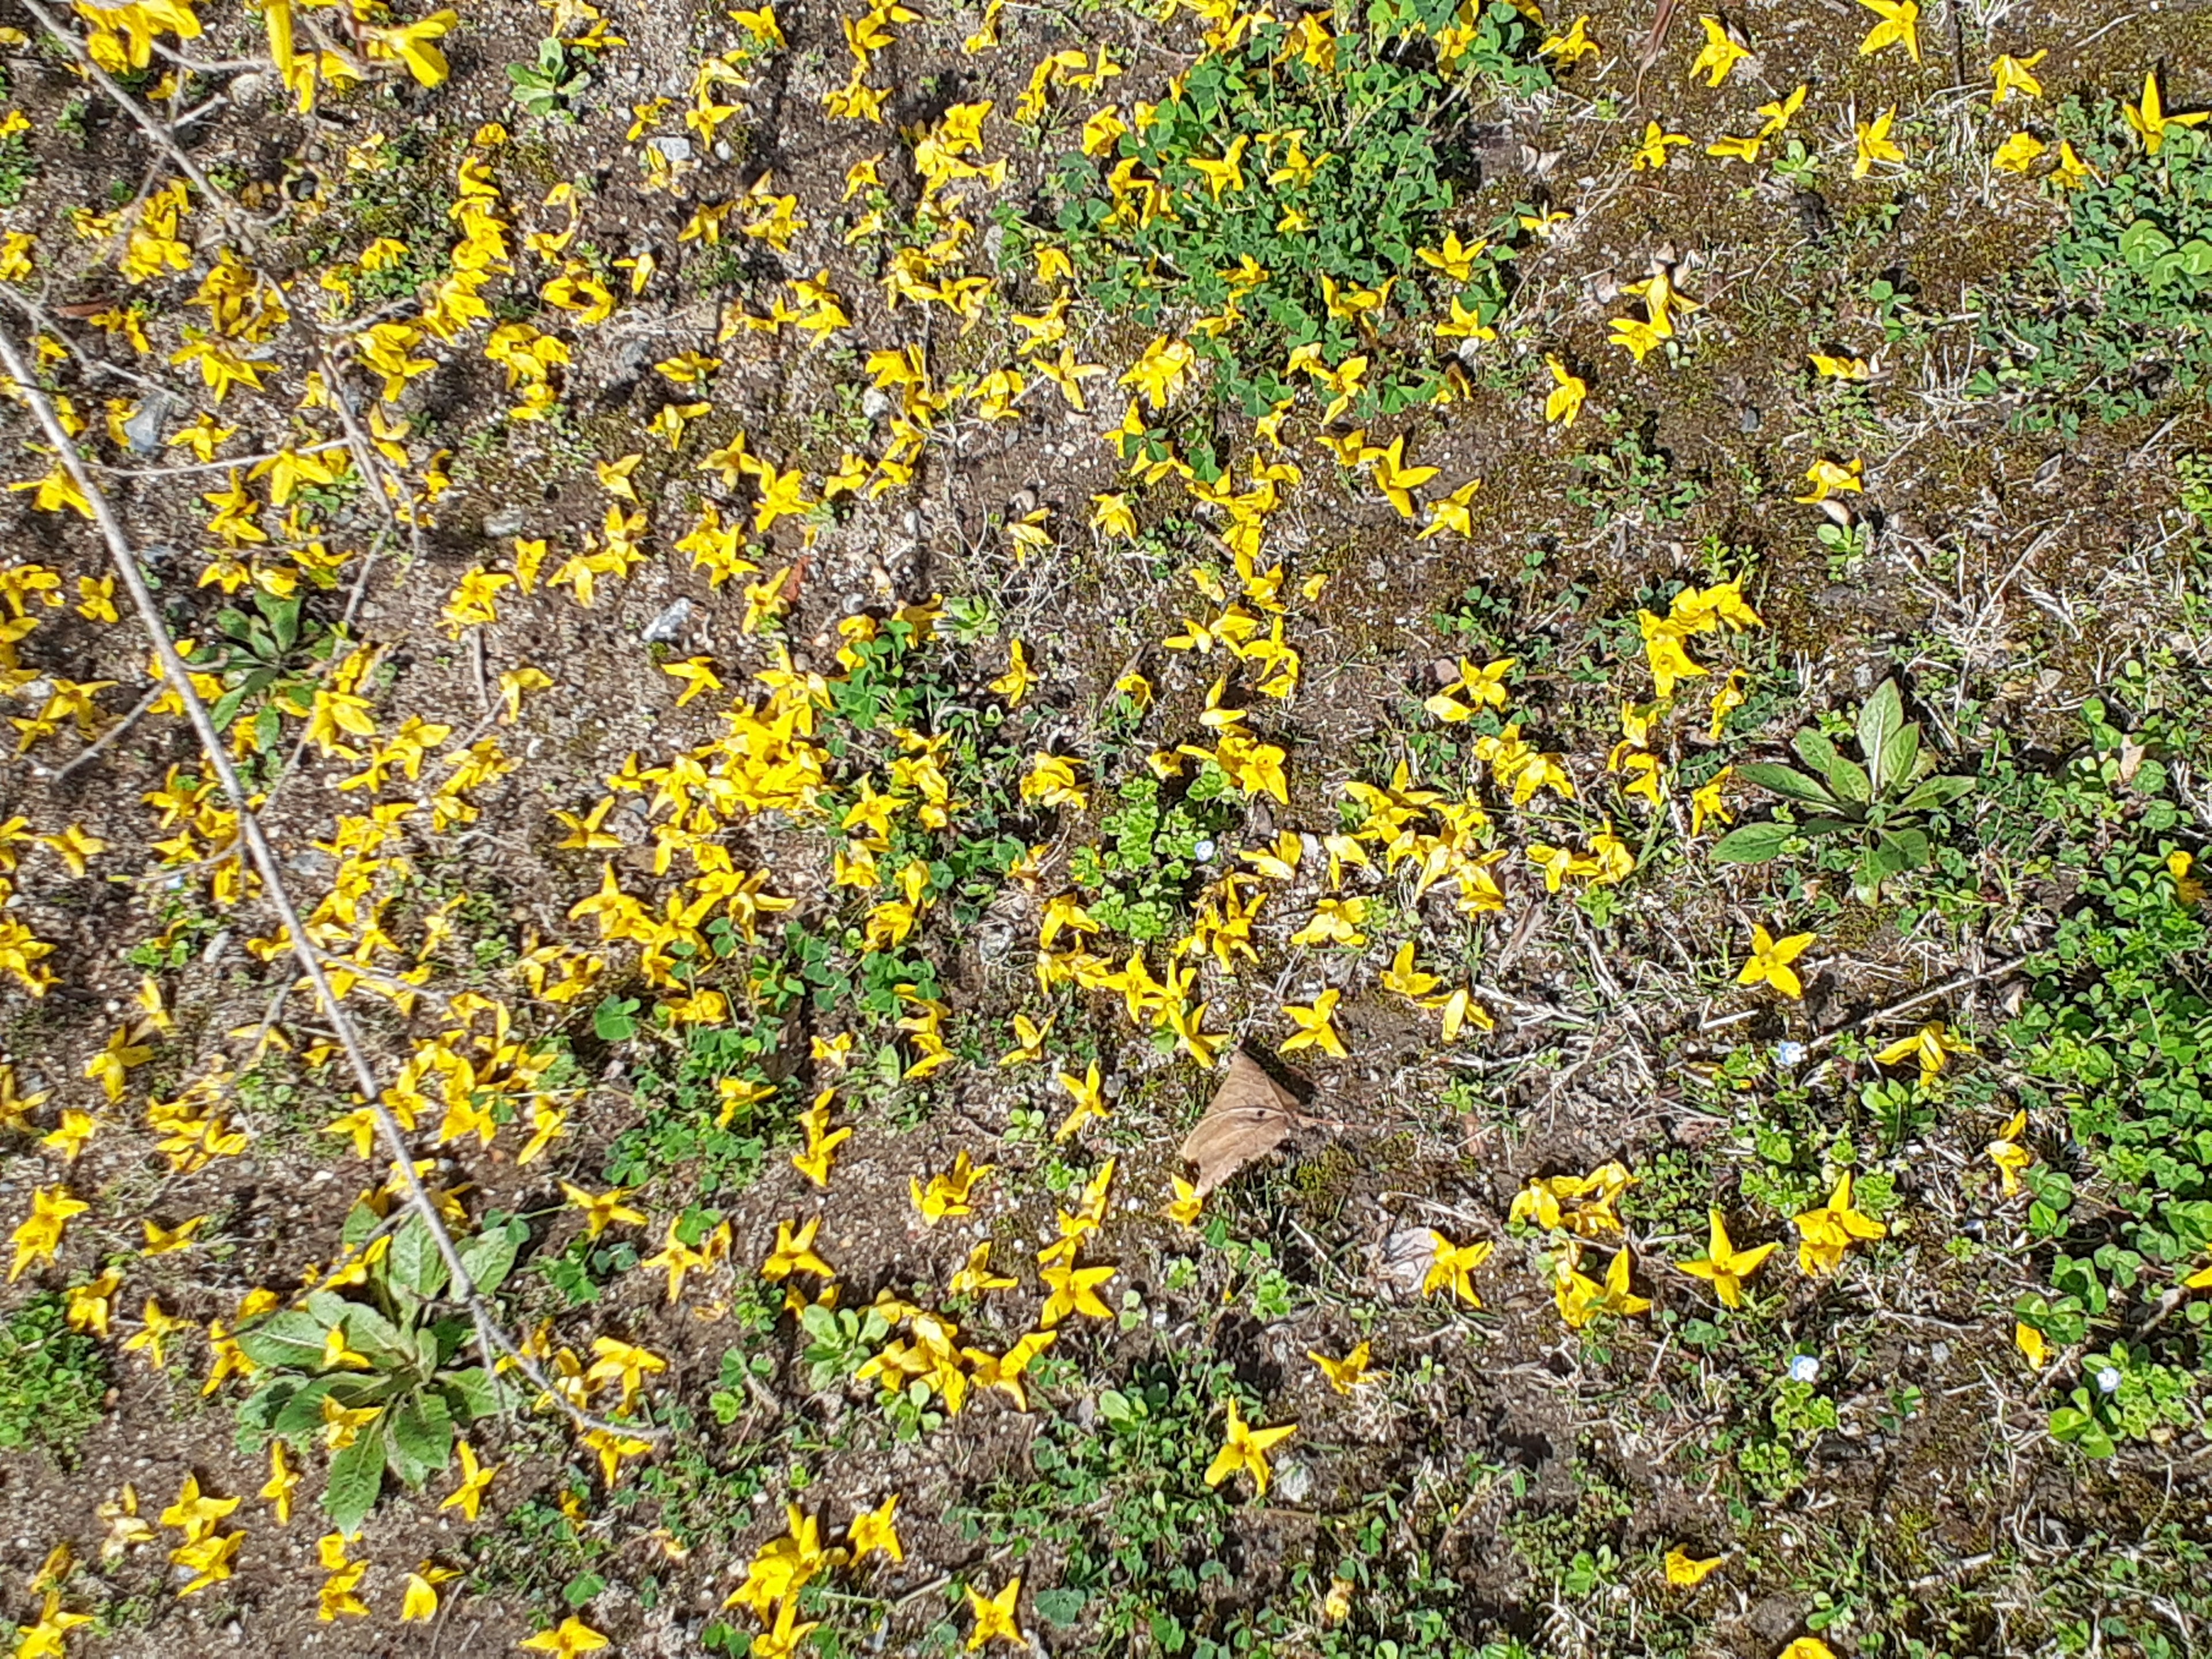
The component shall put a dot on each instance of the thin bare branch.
(496, 1344)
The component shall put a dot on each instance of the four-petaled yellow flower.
(1899, 25)
(795, 1252)
(1932, 1045)
(1825, 1234)
(997, 1617)
(1245, 1451)
(2008, 1154)
(1345, 1374)
(1720, 54)
(1723, 1266)
(874, 1530)
(1452, 1268)
(1565, 401)
(1316, 1025)
(1770, 962)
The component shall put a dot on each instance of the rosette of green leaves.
(402, 1335)
(1881, 801)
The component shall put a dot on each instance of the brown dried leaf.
(1250, 1115)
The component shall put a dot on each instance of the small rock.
(673, 146)
(507, 521)
(1294, 1481)
(1406, 1257)
(875, 402)
(248, 89)
(144, 429)
(912, 523)
(1022, 503)
(671, 625)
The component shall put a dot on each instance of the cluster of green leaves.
(267, 658)
(18, 167)
(1633, 479)
(52, 1380)
(1121, 1504)
(1136, 878)
(2117, 1030)
(906, 679)
(1381, 158)
(545, 86)
(2115, 314)
(684, 1124)
(1882, 807)
(389, 1352)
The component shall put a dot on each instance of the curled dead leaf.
(1250, 1115)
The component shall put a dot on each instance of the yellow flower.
(2150, 120)
(1160, 371)
(795, 1252)
(46, 1639)
(1090, 1101)
(1873, 138)
(570, 1638)
(1184, 1208)
(1632, 334)
(1316, 1025)
(947, 1194)
(2013, 75)
(1345, 1374)
(421, 1601)
(283, 1480)
(1899, 25)
(1452, 1266)
(1778, 116)
(1931, 1045)
(1685, 1573)
(1582, 1298)
(997, 1617)
(1651, 157)
(1664, 652)
(1245, 1451)
(468, 1495)
(602, 1210)
(1014, 684)
(1770, 961)
(2006, 1152)
(2018, 153)
(39, 1235)
(1074, 1291)
(1572, 47)
(1827, 478)
(1825, 1234)
(161, 1241)
(1720, 54)
(1051, 782)
(874, 1530)
(1724, 1266)
(1568, 391)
